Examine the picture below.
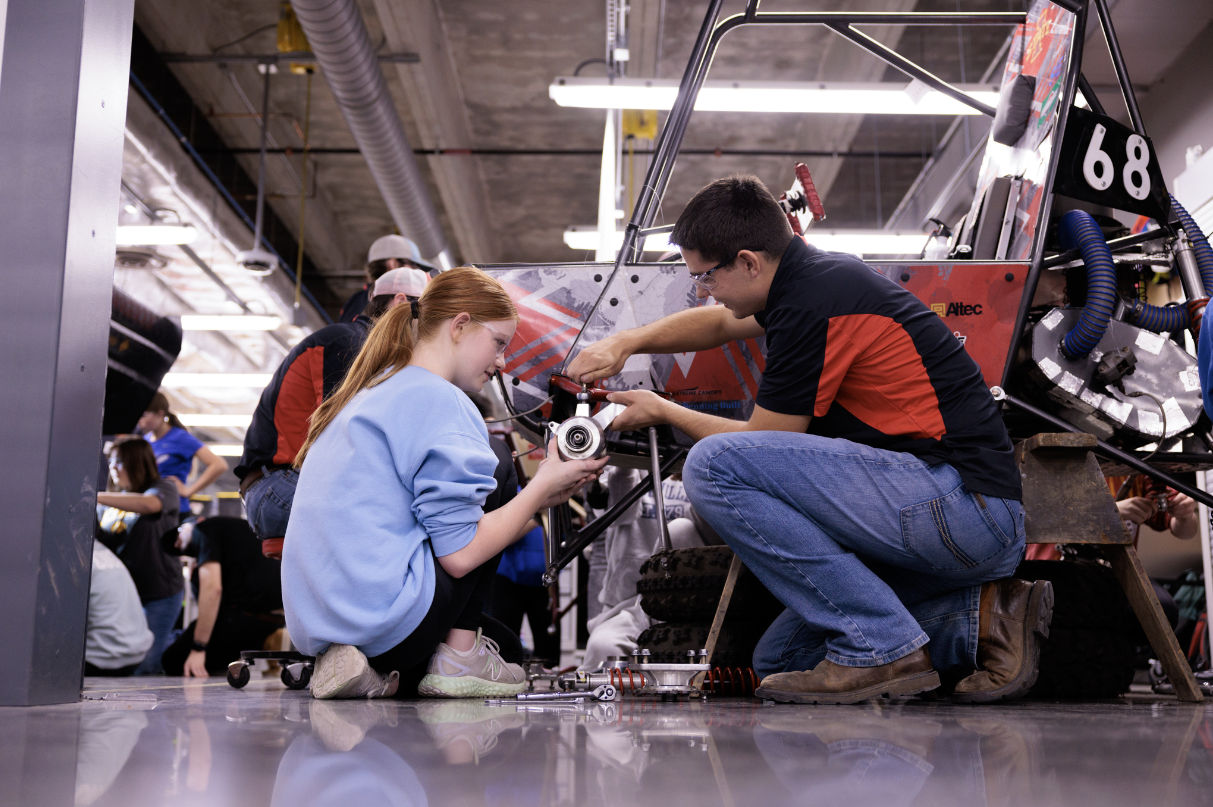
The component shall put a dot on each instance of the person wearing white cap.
(395, 286)
(387, 253)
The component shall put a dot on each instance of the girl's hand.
(559, 480)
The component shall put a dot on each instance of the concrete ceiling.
(482, 85)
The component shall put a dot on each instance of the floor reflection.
(205, 744)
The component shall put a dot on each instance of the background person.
(1138, 507)
(132, 520)
(117, 637)
(387, 253)
(239, 593)
(389, 554)
(175, 449)
(616, 558)
(305, 378)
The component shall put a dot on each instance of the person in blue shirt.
(175, 450)
(389, 555)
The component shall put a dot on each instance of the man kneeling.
(873, 489)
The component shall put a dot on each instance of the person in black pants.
(239, 593)
(393, 480)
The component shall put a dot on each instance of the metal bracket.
(563, 543)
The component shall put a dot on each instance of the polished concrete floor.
(160, 741)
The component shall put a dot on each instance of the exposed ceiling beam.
(187, 91)
(644, 32)
(435, 97)
(720, 152)
(302, 57)
(844, 61)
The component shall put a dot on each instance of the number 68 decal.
(1098, 170)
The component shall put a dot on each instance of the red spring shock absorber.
(735, 681)
(625, 680)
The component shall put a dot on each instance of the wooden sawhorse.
(1067, 501)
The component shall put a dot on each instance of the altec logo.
(956, 309)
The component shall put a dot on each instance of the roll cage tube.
(710, 34)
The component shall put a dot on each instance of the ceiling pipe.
(343, 50)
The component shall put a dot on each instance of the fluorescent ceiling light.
(857, 242)
(586, 238)
(769, 96)
(254, 380)
(221, 421)
(156, 234)
(868, 242)
(228, 322)
(227, 449)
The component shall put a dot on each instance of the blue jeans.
(873, 552)
(161, 616)
(268, 503)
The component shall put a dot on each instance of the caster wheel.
(296, 676)
(237, 674)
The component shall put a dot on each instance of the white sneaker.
(343, 672)
(478, 673)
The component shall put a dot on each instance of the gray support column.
(63, 88)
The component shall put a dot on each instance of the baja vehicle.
(1109, 364)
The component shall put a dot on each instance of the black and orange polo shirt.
(872, 364)
(309, 374)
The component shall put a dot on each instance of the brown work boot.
(1015, 616)
(833, 683)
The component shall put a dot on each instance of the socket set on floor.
(634, 675)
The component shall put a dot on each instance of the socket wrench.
(606, 692)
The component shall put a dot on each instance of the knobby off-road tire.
(684, 585)
(668, 642)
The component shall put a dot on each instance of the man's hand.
(1138, 509)
(195, 665)
(644, 409)
(602, 359)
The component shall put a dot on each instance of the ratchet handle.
(564, 383)
(560, 381)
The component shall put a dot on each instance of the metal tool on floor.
(606, 692)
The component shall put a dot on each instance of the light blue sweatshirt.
(398, 477)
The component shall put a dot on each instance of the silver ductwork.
(343, 50)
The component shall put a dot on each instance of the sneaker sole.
(910, 685)
(1035, 628)
(443, 686)
(343, 666)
